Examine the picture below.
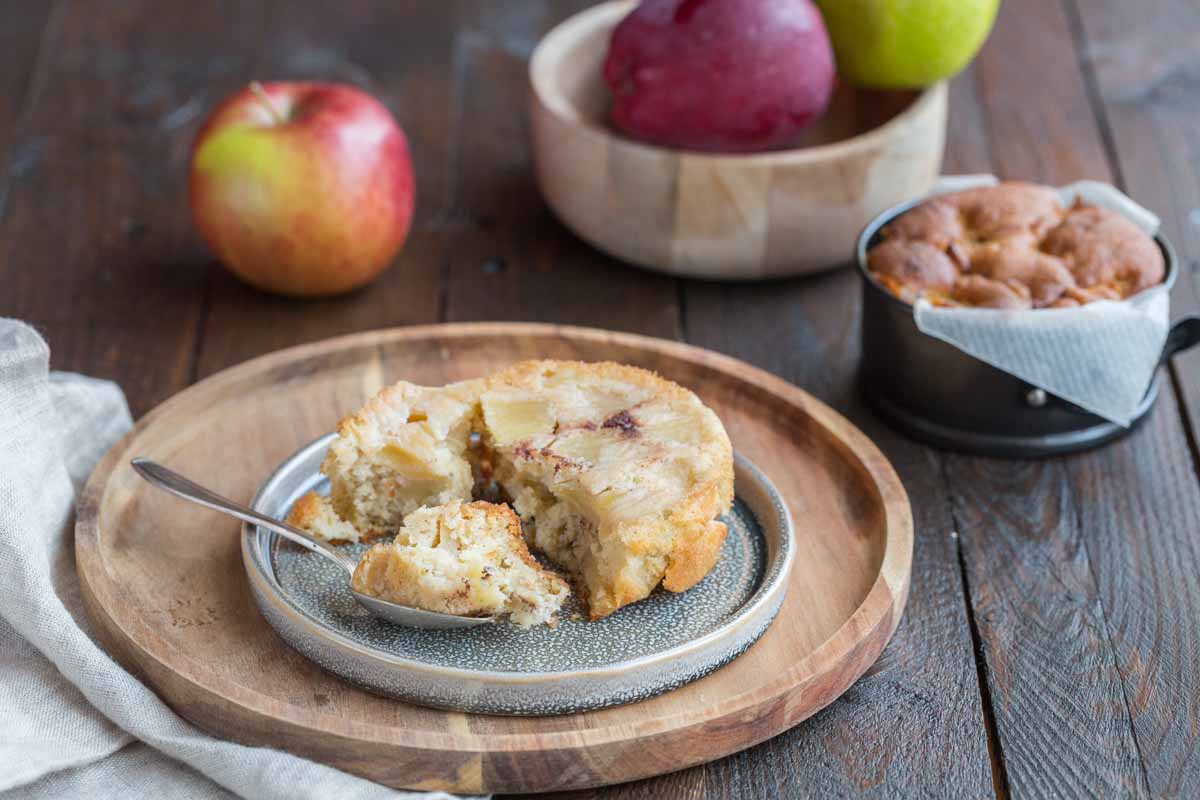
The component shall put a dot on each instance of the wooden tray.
(165, 585)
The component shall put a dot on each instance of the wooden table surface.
(1051, 645)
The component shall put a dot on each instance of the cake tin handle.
(1184, 335)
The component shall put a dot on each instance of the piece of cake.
(617, 474)
(467, 559)
(315, 514)
(405, 449)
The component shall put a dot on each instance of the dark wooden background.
(1051, 645)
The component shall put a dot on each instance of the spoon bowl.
(172, 482)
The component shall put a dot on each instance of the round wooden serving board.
(165, 585)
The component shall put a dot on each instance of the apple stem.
(261, 95)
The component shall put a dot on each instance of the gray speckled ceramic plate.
(641, 650)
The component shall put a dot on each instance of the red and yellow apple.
(305, 189)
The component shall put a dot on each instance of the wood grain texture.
(163, 581)
(95, 241)
(95, 248)
(739, 217)
(1065, 660)
(922, 696)
(1043, 651)
(1143, 63)
(21, 40)
(513, 260)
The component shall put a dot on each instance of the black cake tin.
(934, 392)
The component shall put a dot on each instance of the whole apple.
(304, 189)
(899, 44)
(719, 75)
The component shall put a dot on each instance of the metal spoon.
(176, 484)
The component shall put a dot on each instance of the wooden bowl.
(729, 217)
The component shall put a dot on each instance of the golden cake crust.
(1013, 246)
(1103, 248)
(681, 540)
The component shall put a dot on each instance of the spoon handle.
(171, 481)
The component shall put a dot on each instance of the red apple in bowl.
(305, 189)
(727, 76)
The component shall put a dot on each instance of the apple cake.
(467, 559)
(618, 475)
(405, 449)
(1014, 246)
(315, 514)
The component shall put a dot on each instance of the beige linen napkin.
(73, 723)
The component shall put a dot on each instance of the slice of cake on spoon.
(467, 559)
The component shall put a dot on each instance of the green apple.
(895, 44)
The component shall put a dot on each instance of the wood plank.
(1142, 61)
(1043, 628)
(402, 54)
(968, 142)
(95, 242)
(511, 258)
(1054, 563)
(1146, 561)
(22, 38)
(914, 724)
(1043, 675)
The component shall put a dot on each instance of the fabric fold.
(72, 721)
